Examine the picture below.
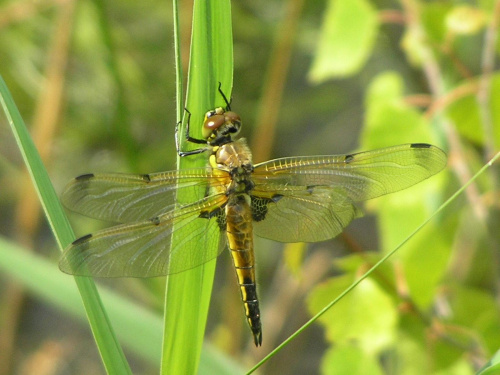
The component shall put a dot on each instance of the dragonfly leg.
(228, 102)
(188, 138)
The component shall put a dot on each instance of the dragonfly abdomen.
(240, 239)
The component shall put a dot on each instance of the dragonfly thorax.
(235, 158)
(233, 155)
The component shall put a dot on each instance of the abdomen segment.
(240, 239)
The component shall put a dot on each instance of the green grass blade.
(109, 348)
(366, 274)
(492, 367)
(188, 294)
(138, 328)
(178, 63)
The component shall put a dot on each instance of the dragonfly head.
(220, 126)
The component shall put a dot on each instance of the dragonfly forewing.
(309, 199)
(125, 198)
(361, 176)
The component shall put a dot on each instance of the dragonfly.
(291, 199)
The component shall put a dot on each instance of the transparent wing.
(145, 249)
(307, 215)
(127, 198)
(312, 198)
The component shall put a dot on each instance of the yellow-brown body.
(235, 158)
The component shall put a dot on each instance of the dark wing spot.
(276, 197)
(348, 158)
(204, 215)
(146, 178)
(209, 214)
(217, 213)
(221, 219)
(81, 240)
(207, 191)
(420, 145)
(310, 189)
(84, 177)
(259, 206)
(155, 220)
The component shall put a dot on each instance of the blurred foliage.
(359, 75)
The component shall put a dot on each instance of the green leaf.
(349, 359)
(111, 353)
(367, 315)
(423, 261)
(387, 87)
(464, 113)
(477, 309)
(434, 20)
(410, 356)
(419, 352)
(389, 119)
(465, 19)
(293, 256)
(188, 294)
(346, 40)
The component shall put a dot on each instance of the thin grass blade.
(111, 353)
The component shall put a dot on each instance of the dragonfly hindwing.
(259, 206)
(217, 212)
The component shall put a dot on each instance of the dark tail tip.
(257, 337)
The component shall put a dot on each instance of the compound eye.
(213, 122)
(232, 117)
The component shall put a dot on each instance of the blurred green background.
(95, 83)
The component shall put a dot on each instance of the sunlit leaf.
(389, 119)
(465, 114)
(465, 19)
(475, 308)
(293, 256)
(346, 40)
(367, 315)
(349, 359)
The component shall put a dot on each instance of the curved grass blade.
(111, 353)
